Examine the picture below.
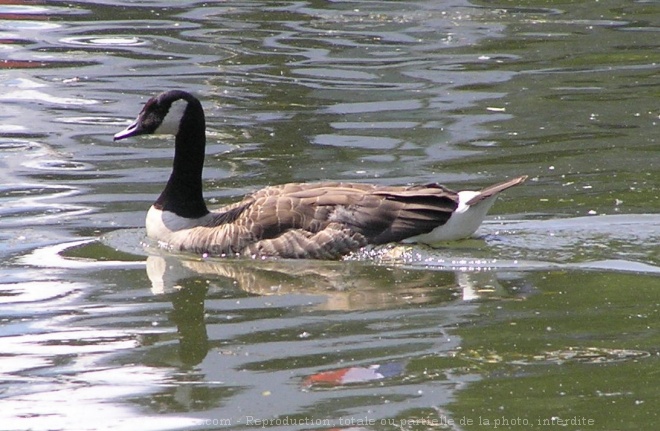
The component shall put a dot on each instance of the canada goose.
(324, 220)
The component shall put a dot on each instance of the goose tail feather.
(495, 189)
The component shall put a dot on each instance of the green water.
(548, 319)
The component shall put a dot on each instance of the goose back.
(319, 220)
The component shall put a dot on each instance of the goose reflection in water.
(188, 315)
(323, 286)
(343, 287)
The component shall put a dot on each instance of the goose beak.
(133, 130)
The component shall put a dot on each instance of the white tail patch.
(463, 222)
(172, 121)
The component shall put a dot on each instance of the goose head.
(180, 114)
(166, 114)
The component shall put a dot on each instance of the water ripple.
(532, 245)
(24, 204)
(93, 121)
(104, 41)
(57, 165)
(23, 95)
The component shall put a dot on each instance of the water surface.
(547, 319)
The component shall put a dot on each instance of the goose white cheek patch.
(171, 122)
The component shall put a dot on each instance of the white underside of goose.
(165, 226)
(464, 221)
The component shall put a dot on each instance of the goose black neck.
(183, 193)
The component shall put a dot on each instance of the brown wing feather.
(326, 220)
(332, 242)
